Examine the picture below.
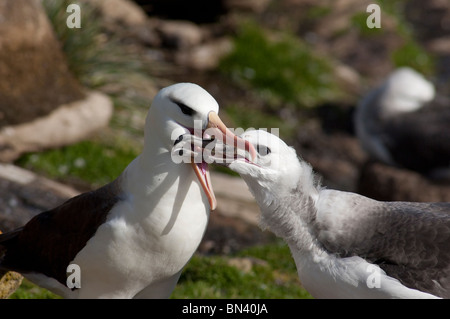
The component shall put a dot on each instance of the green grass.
(100, 60)
(273, 275)
(410, 53)
(91, 162)
(282, 70)
(393, 7)
(359, 21)
(28, 290)
(414, 55)
(93, 57)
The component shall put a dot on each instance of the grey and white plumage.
(405, 123)
(346, 245)
(132, 237)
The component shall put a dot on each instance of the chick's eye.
(263, 150)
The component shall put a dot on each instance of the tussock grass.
(281, 67)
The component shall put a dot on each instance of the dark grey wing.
(410, 241)
(50, 241)
(421, 140)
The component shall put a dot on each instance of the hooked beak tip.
(214, 121)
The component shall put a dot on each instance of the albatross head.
(405, 90)
(182, 112)
(276, 171)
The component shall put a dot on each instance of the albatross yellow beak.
(221, 132)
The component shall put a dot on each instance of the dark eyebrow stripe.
(184, 108)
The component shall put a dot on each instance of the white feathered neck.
(289, 214)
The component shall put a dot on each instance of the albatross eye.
(185, 109)
(263, 150)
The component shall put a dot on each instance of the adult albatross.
(132, 237)
(346, 245)
(405, 123)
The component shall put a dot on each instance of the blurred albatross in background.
(346, 245)
(405, 123)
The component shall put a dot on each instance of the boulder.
(387, 183)
(34, 76)
(9, 282)
(26, 194)
(42, 105)
(179, 34)
(69, 123)
(124, 12)
(205, 56)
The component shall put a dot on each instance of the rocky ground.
(181, 43)
(326, 139)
